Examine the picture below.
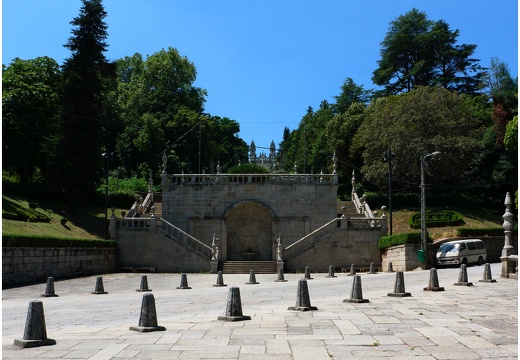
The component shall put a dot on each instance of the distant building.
(269, 162)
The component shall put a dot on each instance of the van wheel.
(465, 261)
(480, 261)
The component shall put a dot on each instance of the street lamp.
(387, 157)
(424, 233)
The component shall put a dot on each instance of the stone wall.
(341, 249)
(203, 209)
(402, 257)
(24, 265)
(154, 249)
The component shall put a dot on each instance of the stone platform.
(478, 322)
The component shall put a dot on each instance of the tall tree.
(415, 124)
(77, 163)
(350, 93)
(30, 103)
(503, 90)
(419, 52)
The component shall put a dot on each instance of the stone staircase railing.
(312, 239)
(186, 239)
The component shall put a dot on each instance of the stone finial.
(353, 182)
(164, 161)
(218, 167)
(334, 162)
(113, 209)
(383, 209)
(295, 169)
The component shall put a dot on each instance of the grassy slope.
(84, 223)
(88, 222)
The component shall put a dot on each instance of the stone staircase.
(244, 267)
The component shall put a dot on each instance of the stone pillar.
(112, 225)
(508, 265)
(214, 255)
(279, 254)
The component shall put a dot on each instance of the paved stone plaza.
(477, 322)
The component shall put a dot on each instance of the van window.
(447, 247)
(462, 247)
(471, 246)
(480, 245)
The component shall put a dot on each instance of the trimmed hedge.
(13, 211)
(12, 240)
(437, 219)
(401, 239)
(462, 232)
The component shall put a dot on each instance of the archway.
(249, 232)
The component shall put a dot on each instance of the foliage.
(415, 124)
(437, 219)
(248, 168)
(467, 232)
(13, 211)
(30, 102)
(511, 136)
(76, 164)
(350, 93)
(401, 239)
(161, 109)
(13, 240)
(307, 146)
(417, 51)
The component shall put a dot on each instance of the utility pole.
(424, 232)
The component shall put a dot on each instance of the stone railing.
(341, 223)
(203, 179)
(184, 238)
(139, 207)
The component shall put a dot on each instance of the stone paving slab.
(478, 322)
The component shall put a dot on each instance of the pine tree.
(77, 162)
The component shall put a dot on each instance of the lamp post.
(424, 233)
(387, 157)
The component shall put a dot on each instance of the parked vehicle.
(462, 252)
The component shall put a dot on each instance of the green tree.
(419, 52)
(511, 137)
(350, 93)
(415, 124)
(503, 90)
(77, 164)
(30, 102)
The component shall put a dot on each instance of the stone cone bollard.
(234, 307)
(487, 274)
(433, 285)
(148, 317)
(252, 278)
(390, 267)
(303, 301)
(331, 272)
(280, 276)
(399, 290)
(35, 333)
(220, 279)
(356, 295)
(463, 277)
(49, 289)
(99, 286)
(352, 270)
(144, 284)
(184, 282)
(372, 269)
(307, 273)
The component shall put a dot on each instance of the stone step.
(244, 267)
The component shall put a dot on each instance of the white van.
(462, 252)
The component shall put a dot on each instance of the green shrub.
(465, 232)
(401, 239)
(437, 219)
(248, 168)
(13, 211)
(12, 240)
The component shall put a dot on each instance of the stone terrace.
(478, 322)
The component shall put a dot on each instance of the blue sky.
(263, 63)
